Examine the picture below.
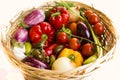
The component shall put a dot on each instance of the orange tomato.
(74, 43)
(73, 27)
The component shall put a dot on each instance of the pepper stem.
(41, 44)
(44, 37)
(71, 57)
(55, 14)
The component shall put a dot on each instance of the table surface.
(8, 8)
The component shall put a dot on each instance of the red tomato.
(74, 43)
(62, 37)
(93, 19)
(98, 28)
(87, 49)
(88, 13)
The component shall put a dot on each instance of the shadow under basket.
(80, 73)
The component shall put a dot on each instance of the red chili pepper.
(50, 49)
(59, 16)
(42, 32)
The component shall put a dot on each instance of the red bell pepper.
(59, 16)
(42, 32)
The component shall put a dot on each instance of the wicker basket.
(31, 73)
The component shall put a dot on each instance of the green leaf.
(22, 24)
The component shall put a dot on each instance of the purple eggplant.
(35, 63)
(83, 31)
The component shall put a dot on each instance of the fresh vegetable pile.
(60, 38)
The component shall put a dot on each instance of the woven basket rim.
(80, 71)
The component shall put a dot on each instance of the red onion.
(34, 17)
(21, 35)
(35, 63)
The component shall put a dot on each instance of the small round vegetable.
(57, 49)
(73, 27)
(93, 19)
(62, 37)
(21, 35)
(73, 17)
(74, 43)
(34, 17)
(28, 48)
(98, 28)
(88, 13)
(63, 64)
(87, 49)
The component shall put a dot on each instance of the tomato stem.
(69, 33)
(66, 30)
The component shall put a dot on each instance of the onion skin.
(63, 64)
(73, 17)
(34, 17)
(21, 35)
(19, 52)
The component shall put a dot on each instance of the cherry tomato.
(74, 43)
(87, 49)
(88, 13)
(98, 28)
(62, 37)
(93, 19)
(73, 27)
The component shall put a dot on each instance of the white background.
(9, 8)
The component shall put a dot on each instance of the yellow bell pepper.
(75, 56)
